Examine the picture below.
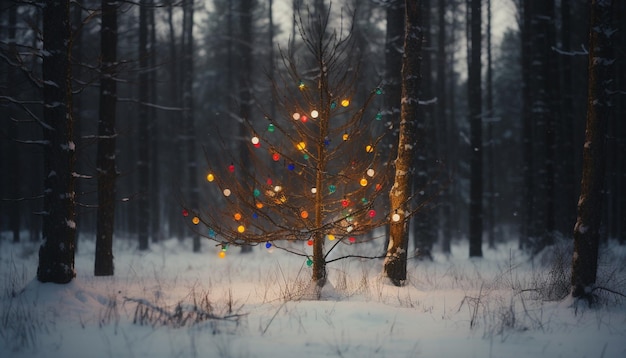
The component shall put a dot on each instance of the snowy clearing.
(453, 307)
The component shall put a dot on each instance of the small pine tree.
(317, 169)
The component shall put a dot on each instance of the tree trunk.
(442, 118)
(490, 202)
(143, 165)
(272, 63)
(56, 254)
(527, 132)
(587, 228)
(13, 158)
(424, 228)
(395, 262)
(106, 169)
(551, 99)
(156, 140)
(188, 112)
(245, 70)
(565, 164)
(393, 70)
(176, 228)
(620, 168)
(475, 119)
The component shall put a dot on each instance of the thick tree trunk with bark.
(56, 254)
(423, 223)
(399, 196)
(393, 70)
(587, 228)
(107, 172)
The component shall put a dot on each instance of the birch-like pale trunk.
(399, 195)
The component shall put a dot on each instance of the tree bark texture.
(106, 169)
(399, 196)
(393, 69)
(426, 171)
(587, 228)
(56, 254)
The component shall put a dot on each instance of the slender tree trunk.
(324, 97)
(82, 220)
(245, 70)
(490, 202)
(56, 254)
(156, 223)
(188, 113)
(587, 228)
(395, 262)
(565, 170)
(143, 165)
(620, 170)
(107, 172)
(13, 158)
(475, 114)
(272, 63)
(175, 222)
(552, 94)
(442, 119)
(527, 132)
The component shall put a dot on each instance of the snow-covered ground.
(453, 307)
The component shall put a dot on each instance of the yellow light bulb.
(241, 229)
(195, 220)
(301, 146)
(345, 102)
(345, 136)
(222, 254)
(363, 182)
(210, 177)
(331, 237)
(369, 148)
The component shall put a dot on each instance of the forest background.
(181, 94)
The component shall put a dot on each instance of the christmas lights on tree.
(275, 201)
